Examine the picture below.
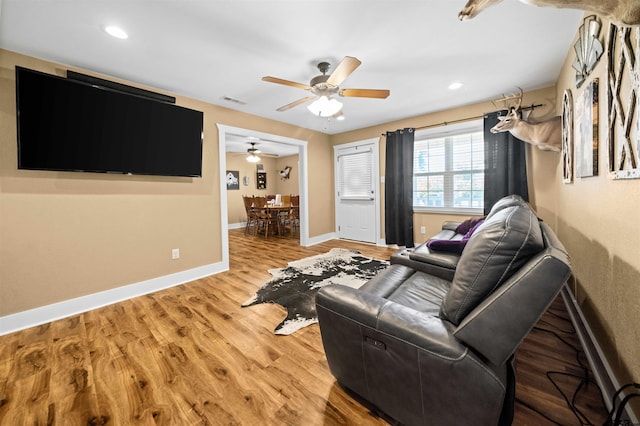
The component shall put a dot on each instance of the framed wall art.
(567, 137)
(622, 96)
(586, 131)
(233, 180)
(588, 48)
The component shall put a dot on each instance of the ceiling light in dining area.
(253, 158)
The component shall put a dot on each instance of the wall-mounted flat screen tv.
(67, 125)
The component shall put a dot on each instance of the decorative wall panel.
(623, 85)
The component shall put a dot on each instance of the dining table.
(272, 211)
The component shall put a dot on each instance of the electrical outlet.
(423, 229)
(175, 254)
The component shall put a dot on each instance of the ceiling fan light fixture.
(253, 158)
(339, 115)
(325, 107)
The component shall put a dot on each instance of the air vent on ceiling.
(234, 100)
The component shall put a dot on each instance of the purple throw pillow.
(466, 226)
(470, 232)
(455, 246)
(452, 246)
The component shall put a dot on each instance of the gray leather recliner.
(428, 349)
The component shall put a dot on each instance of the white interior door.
(357, 203)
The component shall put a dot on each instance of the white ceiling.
(222, 48)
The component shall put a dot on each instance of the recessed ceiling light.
(455, 85)
(116, 32)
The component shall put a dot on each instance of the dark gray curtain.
(398, 195)
(505, 164)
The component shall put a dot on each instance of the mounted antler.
(546, 135)
(508, 100)
(620, 12)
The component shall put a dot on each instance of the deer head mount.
(620, 12)
(284, 174)
(546, 135)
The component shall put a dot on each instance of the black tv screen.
(66, 125)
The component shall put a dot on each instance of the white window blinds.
(448, 172)
(356, 174)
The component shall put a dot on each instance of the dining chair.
(284, 216)
(295, 214)
(252, 218)
(264, 216)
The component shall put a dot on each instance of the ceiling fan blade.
(365, 93)
(343, 70)
(285, 82)
(295, 103)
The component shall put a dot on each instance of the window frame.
(450, 130)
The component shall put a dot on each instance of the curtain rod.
(461, 120)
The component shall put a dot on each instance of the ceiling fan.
(252, 153)
(324, 86)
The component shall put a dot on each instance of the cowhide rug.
(295, 286)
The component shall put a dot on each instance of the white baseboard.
(321, 239)
(602, 371)
(56, 311)
(237, 225)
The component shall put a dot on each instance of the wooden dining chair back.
(259, 201)
(284, 215)
(295, 214)
(264, 217)
(252, 219)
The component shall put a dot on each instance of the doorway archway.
(223, 131)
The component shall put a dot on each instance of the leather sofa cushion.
(500, 246)
(408, 287)
(421, 292)
(388, 280)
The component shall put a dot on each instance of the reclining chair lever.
(377, 343)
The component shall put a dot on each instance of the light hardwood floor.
(190, 355)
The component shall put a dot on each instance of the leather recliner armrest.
(450, 225)
(351, 303)
(538, 283)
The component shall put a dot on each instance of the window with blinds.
(448, 172)
(356, 175)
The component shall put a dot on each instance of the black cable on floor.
(625, 400)
(584, 379)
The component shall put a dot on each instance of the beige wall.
(288, 186)
(597, 220)
(64, 235)
(275, 184)
(546, 97)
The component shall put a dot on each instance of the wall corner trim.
(42, 315)
(321, 239)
